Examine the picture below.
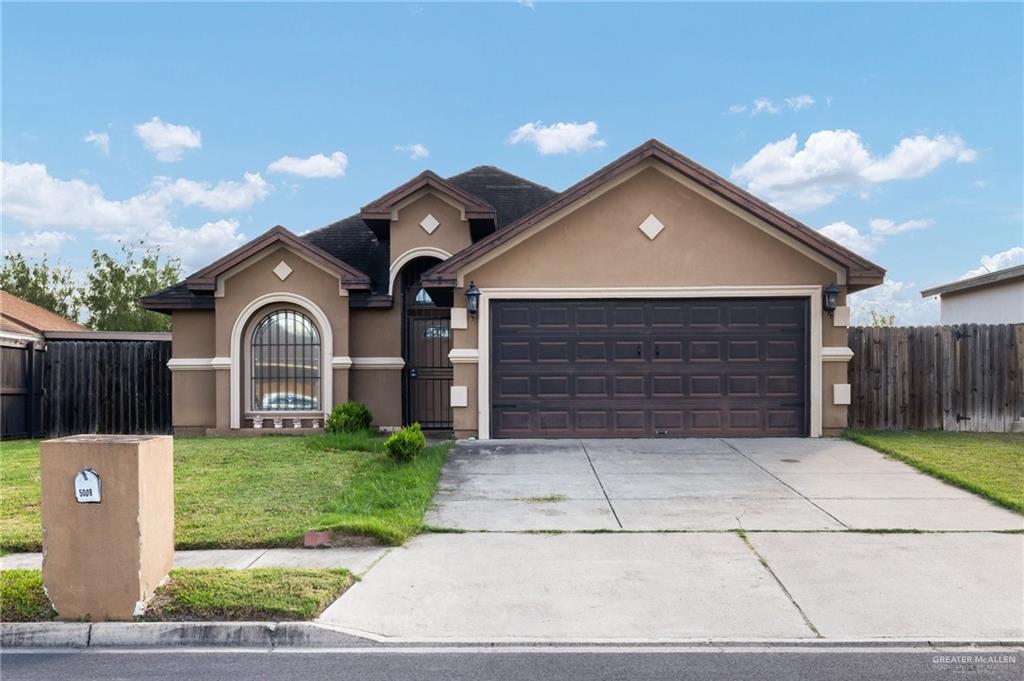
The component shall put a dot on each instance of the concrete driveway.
(809, 577)
(699, 484)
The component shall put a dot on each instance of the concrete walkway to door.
(697, 484)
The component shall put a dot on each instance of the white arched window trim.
(412, 254)
(326, 339)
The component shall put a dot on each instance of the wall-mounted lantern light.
(472, 299)
(830, 298)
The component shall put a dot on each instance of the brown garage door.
(641, 368)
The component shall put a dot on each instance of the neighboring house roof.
(861, 273)
(20, 316)
(980, 281)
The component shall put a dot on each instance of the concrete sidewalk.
(657, 586)
(356, 560)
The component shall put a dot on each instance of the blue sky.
(896, 128)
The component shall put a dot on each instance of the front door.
(426, 344)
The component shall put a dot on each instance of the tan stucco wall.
(452, 235)
(377, 332)
(703, 244)
(381, 391)
(193, 392)
(194, 399)
(192, 333)
(101, 559)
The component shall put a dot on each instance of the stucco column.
(108, 522)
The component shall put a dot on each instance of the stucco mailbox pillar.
(108, 522)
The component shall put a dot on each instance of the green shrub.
(406, 444)
(348, 418)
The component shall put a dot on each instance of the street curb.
(174, 634)
(268, 635)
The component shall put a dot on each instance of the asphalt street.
(520, 664)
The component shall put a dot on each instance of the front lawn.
(274, 594)
(257, 491)
(989, 464)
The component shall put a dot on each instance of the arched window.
(285, 372)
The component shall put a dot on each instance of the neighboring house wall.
(599, 246)
(1000, 303)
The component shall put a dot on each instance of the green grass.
(256, 491)
(545, 499)
(19, 496)
(262, 594)
(988, 464)
(386, 500)
(22, 598)
(274, 594)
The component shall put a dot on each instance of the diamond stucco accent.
(282, 270)
(429, 224)
(651, 226)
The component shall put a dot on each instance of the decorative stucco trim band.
(198, 363)
(836, 354)
(377, 362)
(411, 254)
(464, 356)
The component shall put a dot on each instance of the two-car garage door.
(641, 368)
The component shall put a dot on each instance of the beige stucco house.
(652, 298)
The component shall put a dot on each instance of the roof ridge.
(504, 172)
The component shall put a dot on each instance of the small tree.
(881, 318)
(50, 287)
(115, 287)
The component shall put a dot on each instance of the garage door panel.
(606, 368)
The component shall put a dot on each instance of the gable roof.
(17, 315)
(861, 273)
(980, 281)
(381, 208)
(206, 278)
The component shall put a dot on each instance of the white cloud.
(1011, 257)
(35, 244)
(799, 102)
(415, 151)
(833, 162)
(167, 140)
(867, 242)
(980, 184)
(100, 139)
(225, 196)
(51, 205)
(558, 138)
(849, 236)
(901, 299)
(736, 109)
(525, 3)
(885, 228)
(316, 165)
(196, 247)
(763, 105)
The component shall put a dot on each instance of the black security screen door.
(285, 371)
(427, 341)
(643, 368)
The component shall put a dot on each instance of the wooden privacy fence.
(107, 386)
(968, 377)
(21, 388)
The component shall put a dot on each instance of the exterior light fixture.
(472, 299)
(830, 297)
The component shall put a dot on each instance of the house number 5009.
(87, 487)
